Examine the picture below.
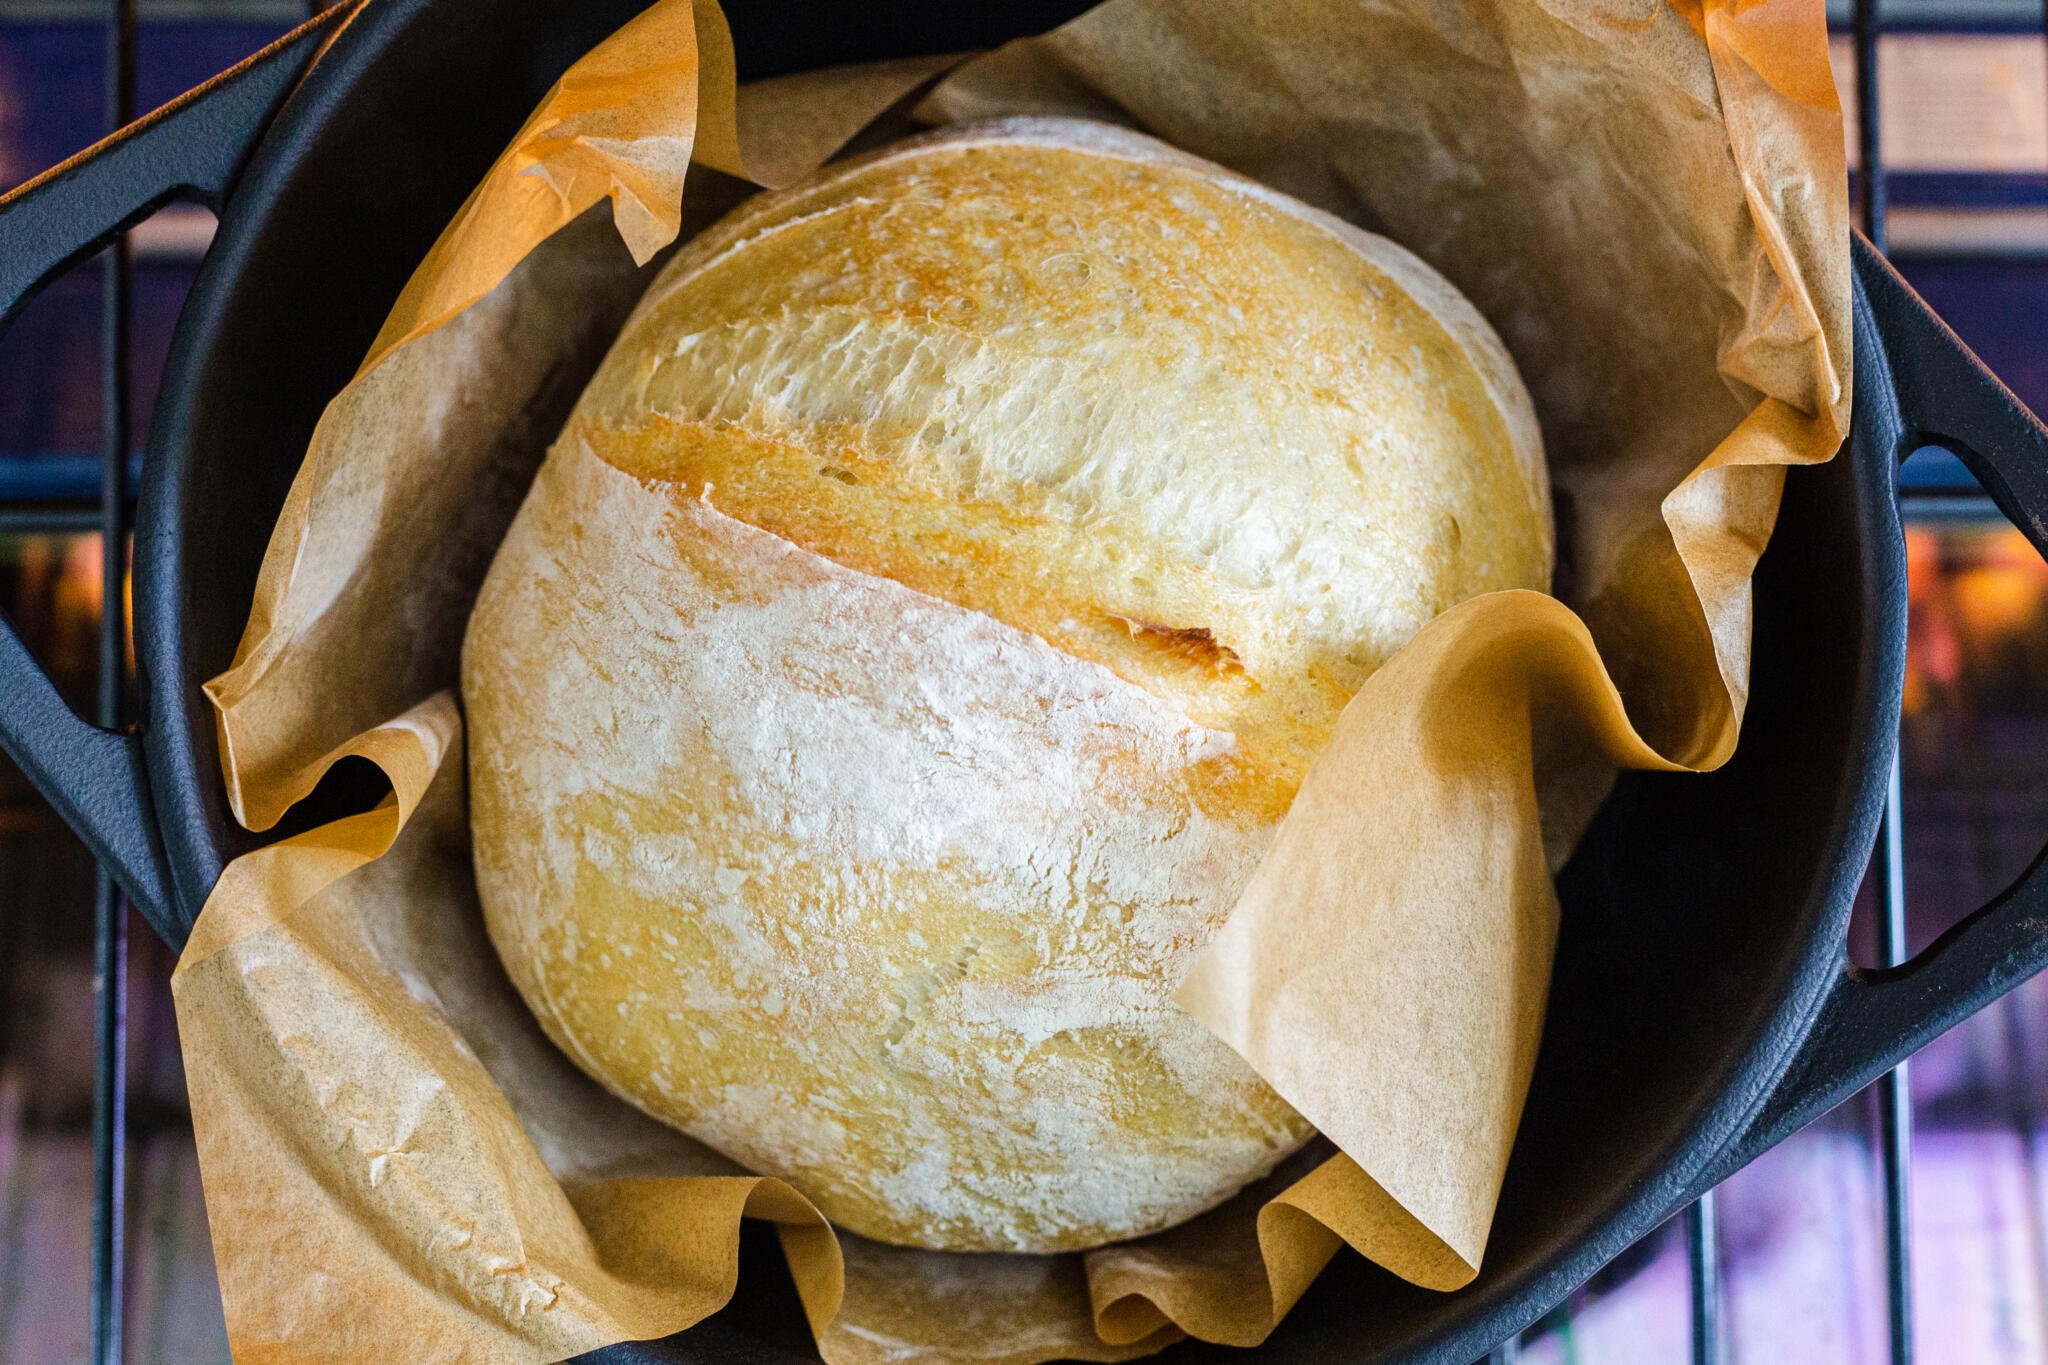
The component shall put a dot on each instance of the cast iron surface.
(1703, 1007)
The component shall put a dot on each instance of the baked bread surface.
(908, 648)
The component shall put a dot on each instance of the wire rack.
(110, 520)
(110, 918)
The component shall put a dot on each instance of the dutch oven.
(1703, 1008)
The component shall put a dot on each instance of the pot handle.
(94, 778)
(191, 149)
(1874, 1018)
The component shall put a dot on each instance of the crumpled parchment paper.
(1648, 200)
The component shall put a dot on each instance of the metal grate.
(110, 520)
(110, 911)
(1894, 1088)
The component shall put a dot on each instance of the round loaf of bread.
(910, 645)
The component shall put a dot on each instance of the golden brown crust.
(1084, 381)
(918, 631)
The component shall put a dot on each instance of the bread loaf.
(914, 637)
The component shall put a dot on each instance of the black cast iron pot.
(1703, 1008)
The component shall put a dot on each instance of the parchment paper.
(1648, 201)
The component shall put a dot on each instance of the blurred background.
(1801, 1233)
